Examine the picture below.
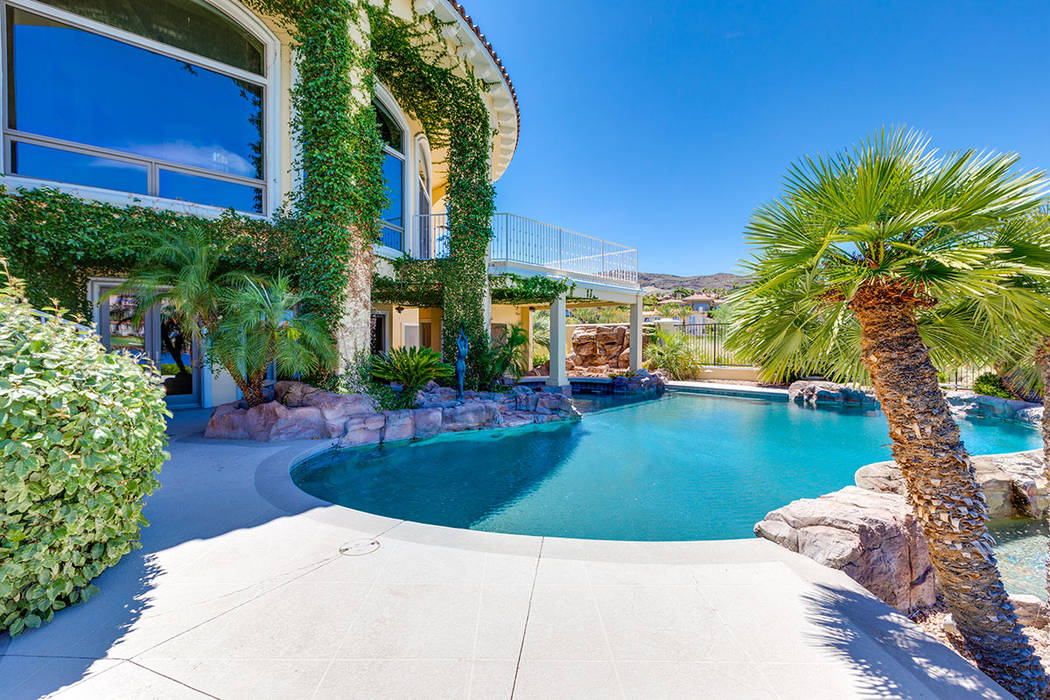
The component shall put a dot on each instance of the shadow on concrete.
(201, 496)
(891, 657)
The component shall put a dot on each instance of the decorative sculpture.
(462, 346)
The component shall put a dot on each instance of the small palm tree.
(186, 276)
(259, 326)
(869, 240)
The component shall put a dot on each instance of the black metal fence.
(708, 339)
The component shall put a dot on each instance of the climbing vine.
(436, 88)
(325, 237)
(340, 195)
(56, 241)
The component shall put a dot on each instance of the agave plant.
(861, 246)
(412, 368)
(260, 325)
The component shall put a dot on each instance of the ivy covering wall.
(55, 242)
(326, 237)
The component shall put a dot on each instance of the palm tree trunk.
(246, 389)
(943, 490)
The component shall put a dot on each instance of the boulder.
(227, 423)
(291, 393)
(363, 430)
(469, 415)
(820, 392)
(967, 403)
(871, 536)
(1030, 610)
(426, 422)
(399, 425)
(1013, 484)
(274, 421)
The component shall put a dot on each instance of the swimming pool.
(683, 467)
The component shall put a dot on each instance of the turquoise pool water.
(1021, 551)
(683, 467)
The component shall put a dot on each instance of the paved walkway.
(240, 591)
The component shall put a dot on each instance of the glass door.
(156, 337)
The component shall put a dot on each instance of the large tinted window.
(96, 92)
(393, 178)
(193, 25)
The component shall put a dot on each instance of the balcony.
(525, 246)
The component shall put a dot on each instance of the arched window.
(164, 98)
(393, 217)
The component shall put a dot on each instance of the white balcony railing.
(521, 241)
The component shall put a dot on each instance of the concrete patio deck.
(240, 591)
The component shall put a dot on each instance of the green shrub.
(412, 368)
(81, 440)
(357, 379)
(674, 352)
(504, 355)
(991, 384)
(540, 357)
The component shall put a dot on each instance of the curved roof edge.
(507, 132)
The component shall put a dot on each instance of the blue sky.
(662, 124)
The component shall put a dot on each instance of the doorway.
(153, 336)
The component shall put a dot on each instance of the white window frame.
(422, 153)
(270, 81)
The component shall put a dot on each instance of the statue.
(461, 360)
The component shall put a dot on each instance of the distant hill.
(657, 282)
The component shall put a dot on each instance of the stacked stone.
(303, 412)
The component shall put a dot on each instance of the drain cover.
(359, 548)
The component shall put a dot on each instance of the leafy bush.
(412, 368)
(674, 352)
(357, 379)
(540, 357)
(81, 439)
(991, 384)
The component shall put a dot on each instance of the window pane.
(77, 168)
(77, 86)
(176, 356)
(391, 238)
(389, 131)
(394, 180)
(125, 333)
(205, 190)
(191, 25)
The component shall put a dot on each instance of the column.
(636, 333)
(526, 323)
(558, 376)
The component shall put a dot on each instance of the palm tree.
(260, 326)
(877, 236)
(187, 277)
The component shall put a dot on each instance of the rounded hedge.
(81, 440)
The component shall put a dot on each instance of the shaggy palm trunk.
(1042, 359)
(943, 490)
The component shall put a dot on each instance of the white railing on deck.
(518, 240)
